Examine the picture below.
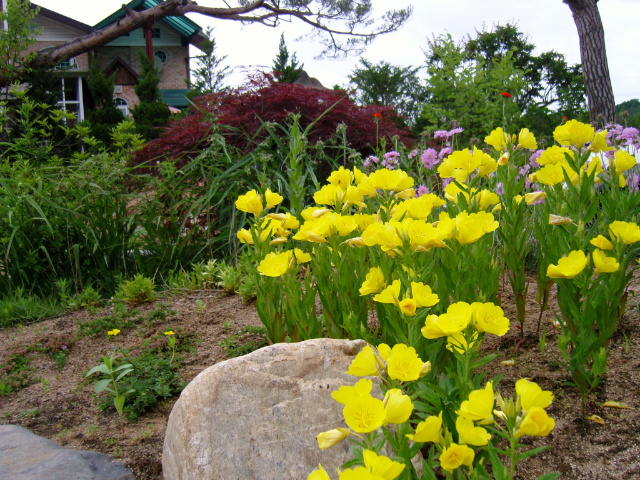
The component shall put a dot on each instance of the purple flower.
(455, 131)
(629, 135)
(441, 134)
(534, 157)
(445, 151)
(412, 154)
(391, 160)
(632, 182)
(446, 182)
(422, 190)
(500, 189)
(429, 157)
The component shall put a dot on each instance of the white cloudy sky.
(547, 22)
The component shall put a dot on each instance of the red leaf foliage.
(239, 112)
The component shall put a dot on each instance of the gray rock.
(257, 416)
(306, 81)
(26, 456)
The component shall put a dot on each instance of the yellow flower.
(364, 364)
(531, 395)
(275, 264)
(626, 232)
(459, 343)
(331, 437)
(487, 164)
(602, 243)
(569, 266)
(341, 178)
(404, 364)
(113, 332)
(536, 423)
(489, 318)
(456, 455)
(454, 321)
(345, 393)
(553, 174)
(486, 198)
(169, 332)
(554, 155)
(389, 294)
(599, 143)
(328, 195)
(428, 430)
(470, 434)
(364, 414)
(527, 140)
(381, 467)
(408, 307)
(301, 257)
(319, 474)
(558, 220)
(272, 198)
(574, 133)
(396, 180)
(423, 295)
(603, 263)
(245, 236)
(397, 405)
(498, 139)
(250, 202)
(534, 197)
(290, 222)
(479, 407)
(624, 161)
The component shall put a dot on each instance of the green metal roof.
(182, 24)
(175, 98)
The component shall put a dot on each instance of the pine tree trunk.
(595, 69)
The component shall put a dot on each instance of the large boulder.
(257, 416)
(26, 456)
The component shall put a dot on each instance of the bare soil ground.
(60, 405)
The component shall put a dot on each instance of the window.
(70, 64)
(122, 105)
(161, 55)
(155, 33)
(71, 89)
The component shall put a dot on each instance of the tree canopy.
(342, 26)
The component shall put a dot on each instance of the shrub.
(241, 113)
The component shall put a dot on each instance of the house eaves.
(182, 25)
(59, 18)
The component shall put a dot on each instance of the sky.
(548, 23)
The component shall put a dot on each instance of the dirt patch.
(60, 405)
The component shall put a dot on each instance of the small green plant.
(16, 373)
(139, 290)
(88, 297)
(171, 340)
(200, 305)
(109, 384)
(120, 319)
(245, 341)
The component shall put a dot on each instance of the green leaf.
(119, 403)
(530, 453)
(101, 385)
(549, 476)
(99, 368)
(124, 373)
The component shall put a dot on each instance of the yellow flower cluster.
(251, 202)
(484, 317)
(376, 467)
(421, 294)
(462, 163)
(532, 419)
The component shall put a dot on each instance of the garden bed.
(60, 405)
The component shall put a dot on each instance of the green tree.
(151, 112)
(286, 69)
(465, 91)
(386, 84)
(104, 116)
(16, 38)
(208, 73)
(552, 87)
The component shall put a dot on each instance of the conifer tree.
(104, 116)
(286, 70)
(151, 112)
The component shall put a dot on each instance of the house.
(169, 45)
